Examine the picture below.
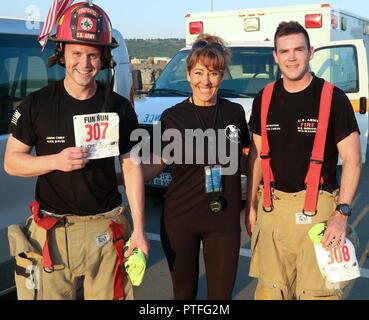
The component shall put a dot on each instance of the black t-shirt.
(291, 127)
(46, 122)
(187, 204)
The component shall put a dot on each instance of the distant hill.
(144, 48)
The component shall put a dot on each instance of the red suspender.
(45, 223)
(266, 169)
(313, 177)
(118, 241)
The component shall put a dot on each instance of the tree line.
(145, 48)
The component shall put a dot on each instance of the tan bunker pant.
(80, 246)
(283, 256)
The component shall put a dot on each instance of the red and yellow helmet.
(86, 24)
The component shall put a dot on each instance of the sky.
(150, 19)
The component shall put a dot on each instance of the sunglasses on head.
(199, 45)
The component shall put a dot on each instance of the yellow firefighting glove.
(135, 265)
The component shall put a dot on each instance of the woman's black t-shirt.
(187, 204)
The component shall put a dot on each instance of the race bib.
(338, 263)
(99, 132)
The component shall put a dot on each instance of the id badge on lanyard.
(213, 187)
(213, 179)
(99, 132)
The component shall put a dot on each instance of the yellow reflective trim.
(61, 19)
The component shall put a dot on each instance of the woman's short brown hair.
(210, 51)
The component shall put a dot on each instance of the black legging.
(221, 251)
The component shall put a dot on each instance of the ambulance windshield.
(250, 69)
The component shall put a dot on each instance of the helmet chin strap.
(108, 91)
(108, 62)
(55, 58)
(107, 58)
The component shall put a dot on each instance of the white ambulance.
(340, 39)
(23, 69)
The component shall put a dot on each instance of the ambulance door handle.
(362, 109)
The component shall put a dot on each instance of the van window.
(23, 69)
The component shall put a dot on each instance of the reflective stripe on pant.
(283, 256)
(80, 246)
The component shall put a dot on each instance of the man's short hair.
(287, 28)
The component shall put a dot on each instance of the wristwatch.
(344, 209)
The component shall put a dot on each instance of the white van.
(340, 39)
(23, 69)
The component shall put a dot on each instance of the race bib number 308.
(99, 132)
(338, 263)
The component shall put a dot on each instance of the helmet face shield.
(85, 24)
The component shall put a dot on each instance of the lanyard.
(201, 121)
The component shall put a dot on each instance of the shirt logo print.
(15, 117)
(307, 125)
(232, 133)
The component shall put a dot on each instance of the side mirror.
(362, 108)
(137, 80)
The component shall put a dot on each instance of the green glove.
(135, 265)
(316, 232)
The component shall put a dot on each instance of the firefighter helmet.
(83, 23)
(86, 24)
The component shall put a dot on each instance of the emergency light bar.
(196, 27)
(314, 20)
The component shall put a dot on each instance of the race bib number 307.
(99, 132)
